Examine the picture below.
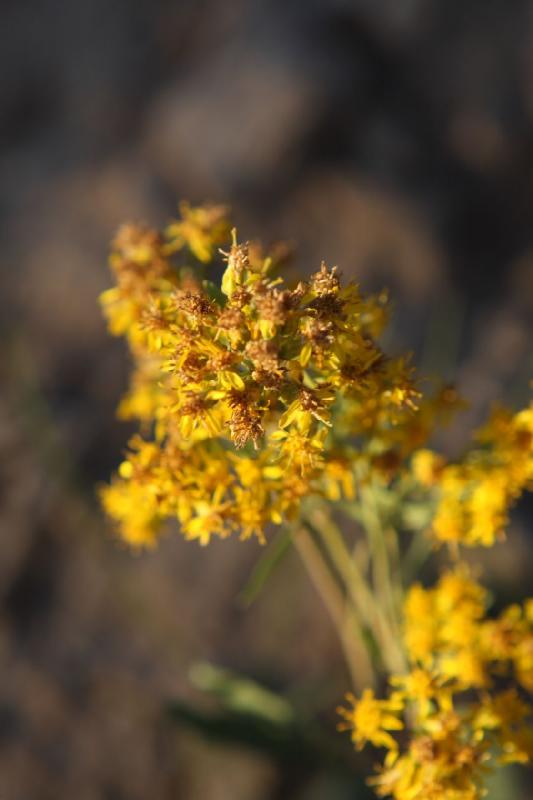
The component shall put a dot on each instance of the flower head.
(253, 370)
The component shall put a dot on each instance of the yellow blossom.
(477, 493)
(370, 719)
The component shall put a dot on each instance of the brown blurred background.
(391, 137)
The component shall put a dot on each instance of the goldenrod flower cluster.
(476, 494)
(253, 395)
(238, 385)
(459, 705)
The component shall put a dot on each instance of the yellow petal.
(125, 470)
(231, 380)
(305, 354)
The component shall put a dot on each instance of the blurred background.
(391, 137)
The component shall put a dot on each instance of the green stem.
(342, 615)
(346, 566)
(393, 547)
(383, 578)
(379, 637)
(417, 553)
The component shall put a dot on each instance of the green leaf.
(270, 559)
(240, 694)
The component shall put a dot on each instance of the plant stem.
(383, 581)
(342, 616)
(346, 566)
(418, 551)
(370, 612)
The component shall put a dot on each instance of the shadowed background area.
(391, 137)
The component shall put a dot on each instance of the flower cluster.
(237, 386)
(454, 710)
(477, 493)
(253, 395)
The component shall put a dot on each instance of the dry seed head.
(195, 303)
(325, 281)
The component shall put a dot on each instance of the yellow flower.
(370, 720)
(298, 451)
(134, 506)
(427, 689)
(200, 229)
(427, 467)
(476, 495)
(421, 626)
